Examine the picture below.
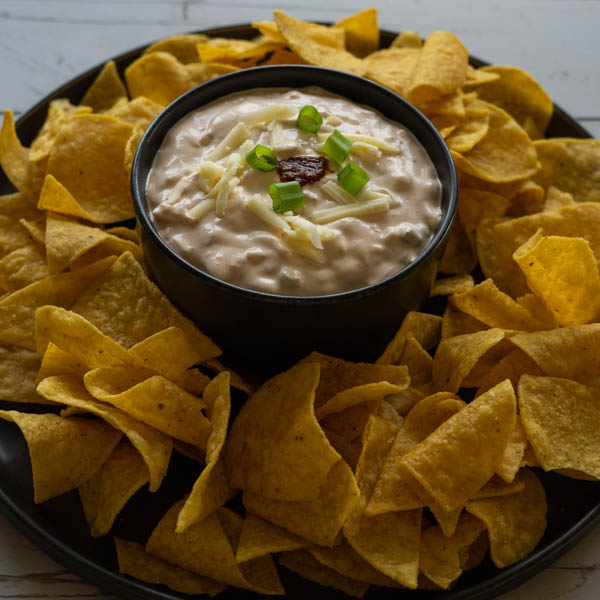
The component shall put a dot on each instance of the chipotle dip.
(214, 209)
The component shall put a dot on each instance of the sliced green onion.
(336, 147)
(262, 158)
(352, 178)
(309, 119)
(286, 196)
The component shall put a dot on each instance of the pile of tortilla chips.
(353, 474)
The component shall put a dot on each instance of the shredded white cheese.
(263, 211)
(303, 229)
(270, 113)
(307, 250)
(209, 174)
(367, 139)
(376, 205)
(202, 208)
(239, 134)
(337, 192)
(366, 151)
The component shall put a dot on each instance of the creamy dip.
(214, 210)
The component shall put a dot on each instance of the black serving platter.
(59, 528)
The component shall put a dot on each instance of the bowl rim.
(138, 190)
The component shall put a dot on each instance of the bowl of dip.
(287, 209)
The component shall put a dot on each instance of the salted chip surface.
(302, 38)
(128, 307)
(320, 520)
(259, 538)
(516, 522)
(440, 69)
(155, 447)
(110, 488)
(22, 267)
(18, 368)
(135, 561)
(563, 272)
(17, 310)
(276, 447)
(561, 420)
(64, 452)
(106, 89)
(456, 356)
(392, 67)
(473, 441)
(205, 549)
(211, 490)
(87, 158)
(306, 565)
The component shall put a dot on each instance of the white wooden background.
(43, 43)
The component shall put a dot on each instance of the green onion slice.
(286, 196)
(262, 158)
(309, 119)
(352, 178)
(336, 147)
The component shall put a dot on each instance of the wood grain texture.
(43, 43)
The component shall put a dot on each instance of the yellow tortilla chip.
(392, 67)
(284, 57)
(441, 68)
(58, 362)
(211, 490)
(135, 561)
(64, 452)
(18, 368)
(110, 488)
(476, 205)
(458, 256)
(182, 47)
(519, 94)
(478, 76)
(22, 267)
(141, 310)
(155, 401)
(303, 563)
(425, 328)
(561, 419)
(446, 286)
(205, 548)
(473, 441)
(407, 39)
(155, 447)
(440, 558)
(510, 462)
(87, 158)
(456, 322)
(516, 522)
(14, 158)
(106, 89)
(139, 111)
(259, 538)
(320, 520)
(556, 199)
(362, 32)
(456, 356)
(489, 305)
(17, 310)
(132, 144)
(471, 130)
(158, 76)
(276, 447)
(269, 30)
(307, 43)
(563, 271)
(418, 362)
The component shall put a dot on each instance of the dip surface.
(200, 193)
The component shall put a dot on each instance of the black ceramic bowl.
(276, 330)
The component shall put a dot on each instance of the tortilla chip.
(155, 400)
(110, 488)
(14, 158)
(516, 523)
(259, 538)
(418, 362)
(362, 32)
(87, 158)
(456, 356)
(348, 451)
(392, 67)
(441, 68)
(556, 199)
(206, 549)
(446, 286)
(135, 561)
(320, 520)
(64, 452)
(561, 420)
(423, 327)
(303, 563)
(140, 111)
(306, 42)
(284, 57)
(22, 267)
(441, 556)
(17, 310)
(564, 273)
(211, 490)
(473, 441)
(350, 422)
(182, 47)
(519, 94)
(407, 39)
(128, 307)
(155, 447)
(276, 447)
(455, 322)
(458, 256)
(106, 89)
(58, 362)
(18, 368)
(476, 205)
(471, 130)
